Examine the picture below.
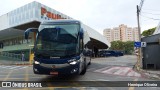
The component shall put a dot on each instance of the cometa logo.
(48, 14)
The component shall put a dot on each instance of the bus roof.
(60, 21)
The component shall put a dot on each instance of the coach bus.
(61, 47)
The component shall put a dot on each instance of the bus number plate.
(53, 73)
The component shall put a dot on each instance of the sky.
(99, 14)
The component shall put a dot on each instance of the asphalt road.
(102, 69)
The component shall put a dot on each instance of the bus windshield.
(58, 40)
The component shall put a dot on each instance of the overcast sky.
(98, 14)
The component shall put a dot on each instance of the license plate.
(54, 73)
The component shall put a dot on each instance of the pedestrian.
(22, 57)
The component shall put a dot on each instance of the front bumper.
(60, 69)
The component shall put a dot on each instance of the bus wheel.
(84, 69)
(89, 62)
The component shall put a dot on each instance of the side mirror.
(26, 33)
(1, 45)
(81, 33)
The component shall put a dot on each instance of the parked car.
(101, 53)
(106, 53)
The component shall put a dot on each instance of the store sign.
(49, 14)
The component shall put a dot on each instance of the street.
(101, 69)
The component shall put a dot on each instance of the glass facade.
(13, 47)
(32, 11)
(16, 41)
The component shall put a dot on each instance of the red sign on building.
(50, 14)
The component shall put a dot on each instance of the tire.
(89, 62)
(84, 69)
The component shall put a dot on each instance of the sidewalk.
(152, 74)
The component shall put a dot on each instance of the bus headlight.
(36, 62)
(73, 61)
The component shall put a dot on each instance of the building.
(14, 23)
(150, 53)
(135, 34)
(108, 33)
(122, 33)
(116, 34)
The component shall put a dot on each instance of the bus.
(61, 47)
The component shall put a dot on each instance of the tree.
(148, 32)
(127, 47)
(117, 45)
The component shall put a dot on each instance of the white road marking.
(122, 71)
(99, 70)
(12, 67)
(15, 67)
(111, 70)
(20, 68)
(6, 66)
